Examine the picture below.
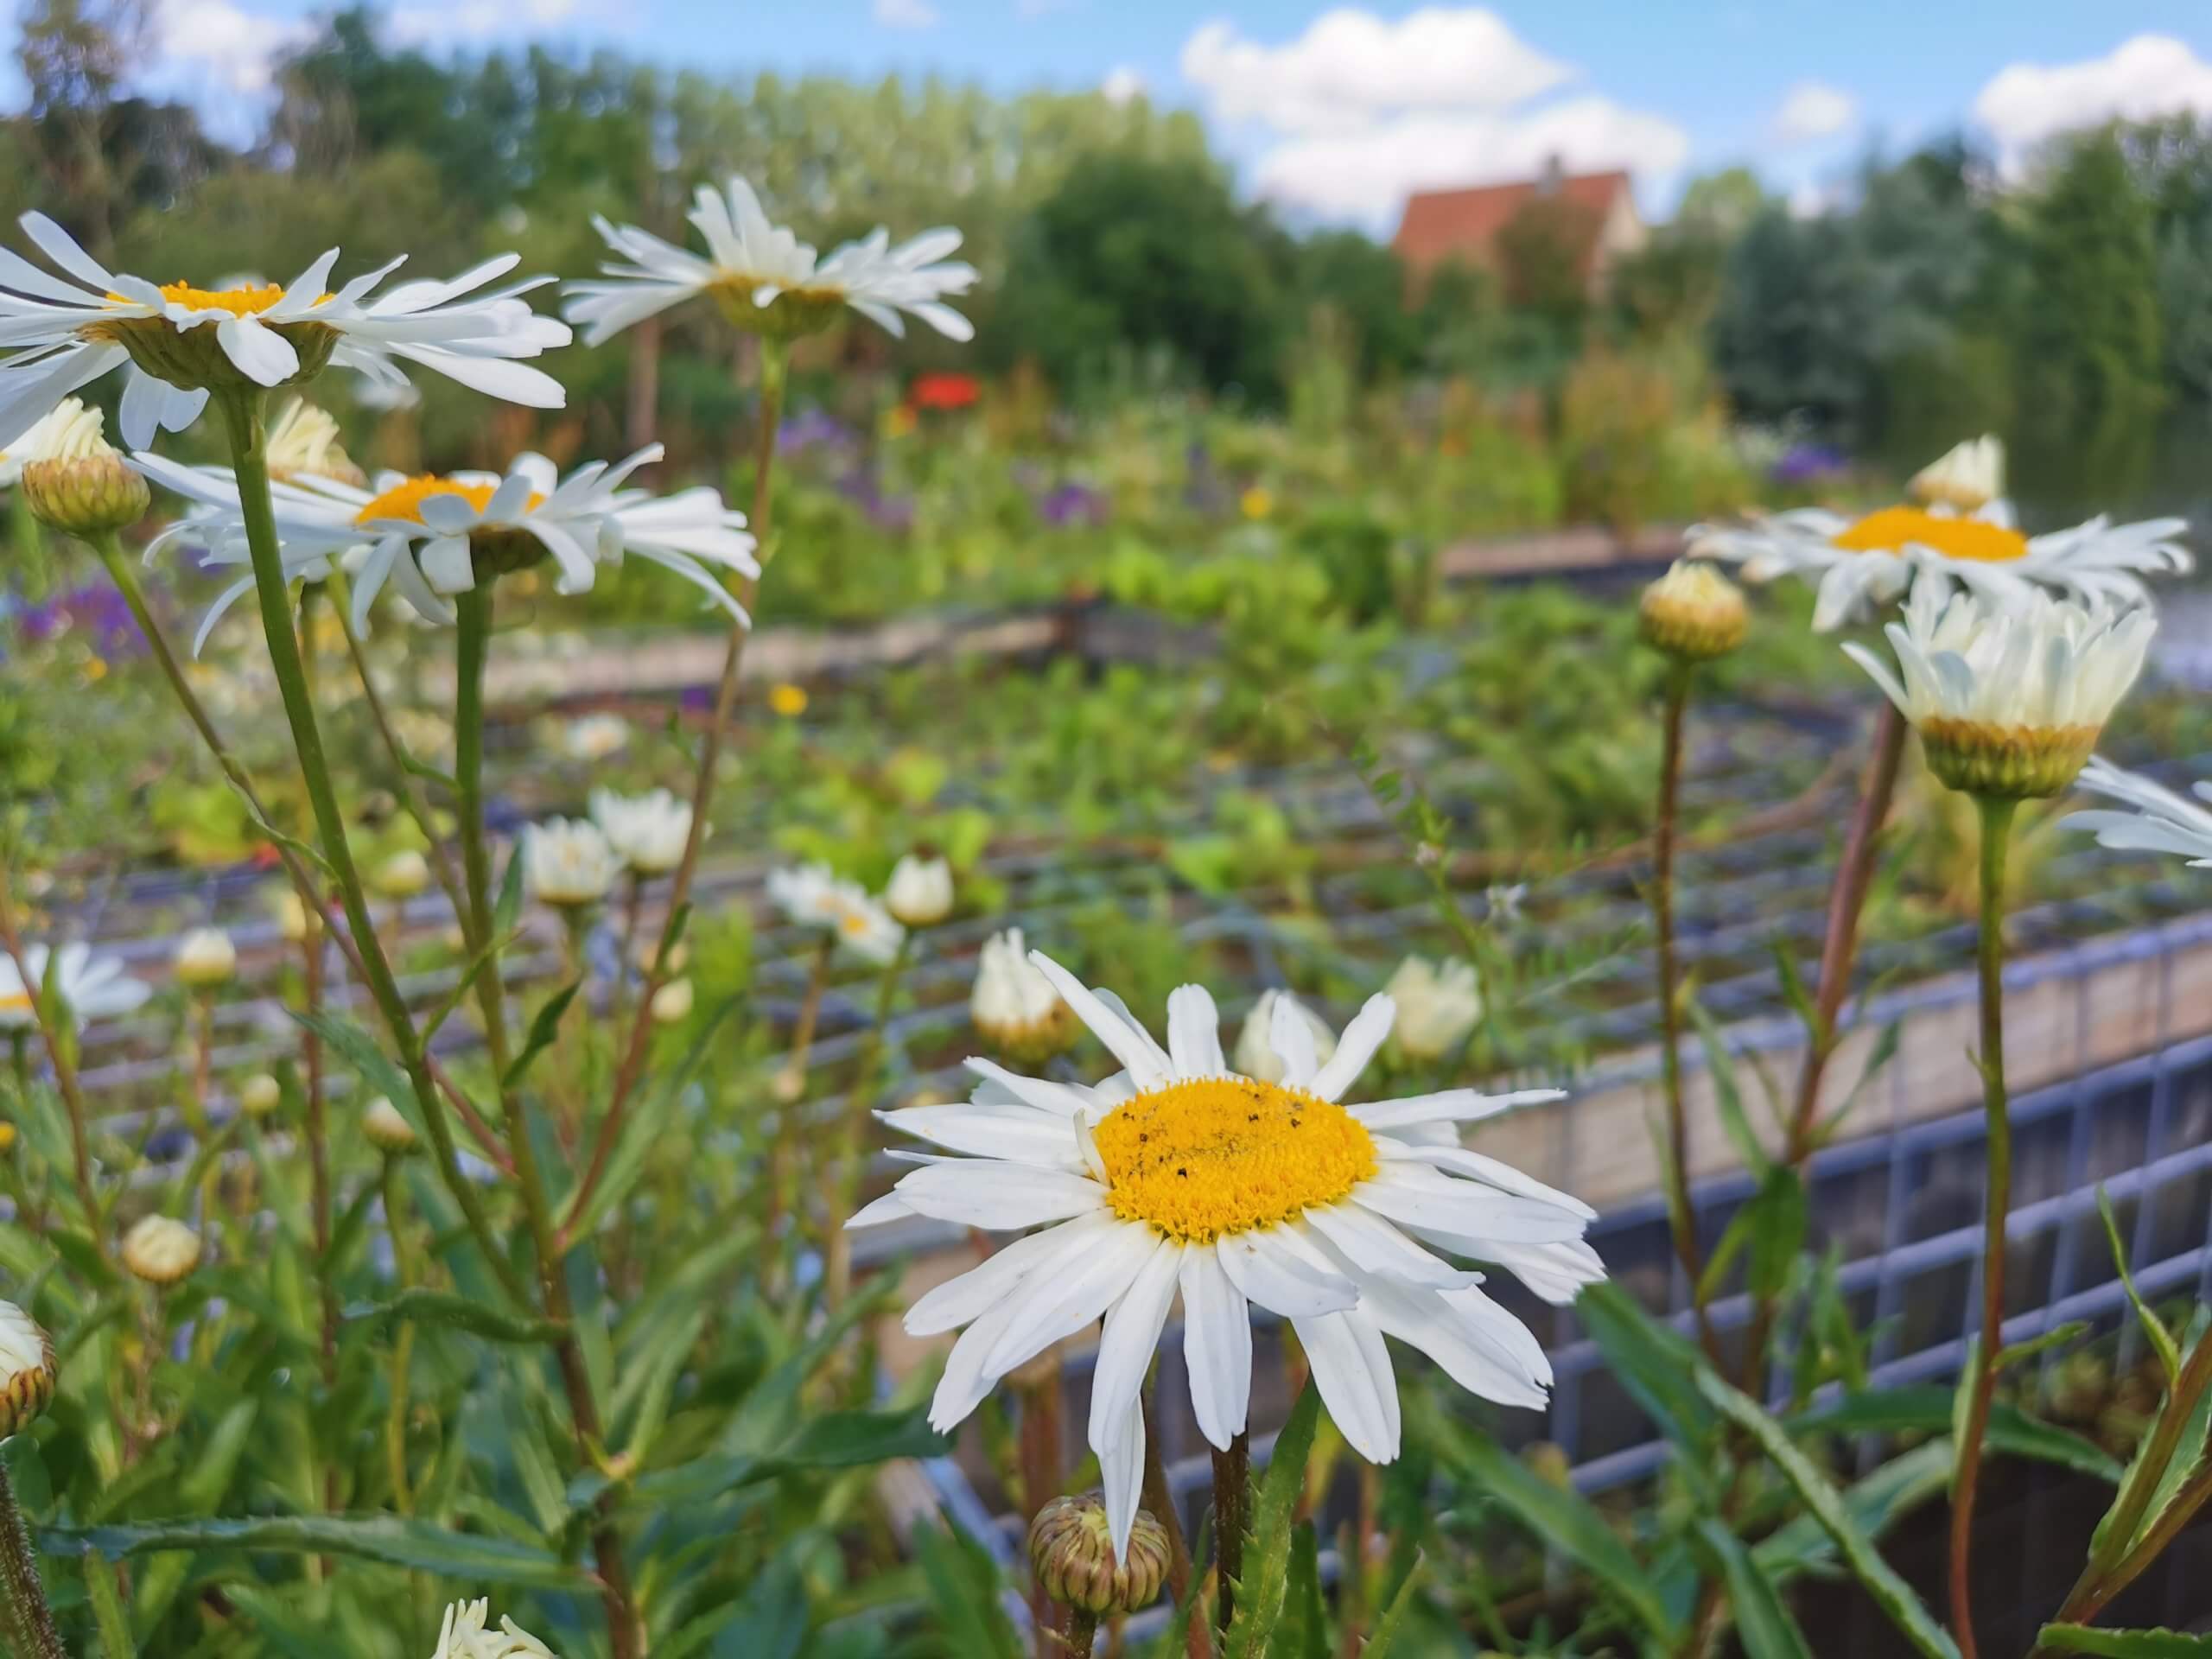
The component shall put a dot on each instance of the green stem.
(1996, 814)
(1682, 1218)
(402, 1341)
(65, 1071)
(242, 413)
(1083, 1633)
(24, 1616)
(474, 608)
(1232, 1501)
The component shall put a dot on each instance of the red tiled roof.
(1441, 224)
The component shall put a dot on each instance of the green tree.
(2089, 348)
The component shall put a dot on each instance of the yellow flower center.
(405, 500)
(853, 923)
(1221, 1155)
(15, 1002)
(1894, 529)
(238, 302)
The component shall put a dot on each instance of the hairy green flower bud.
(1071, 1552)
(1693, 614)
(86, 497)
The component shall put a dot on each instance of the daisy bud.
(647, 832)
(463, 1636)
(1967, 479)
(73, 478)
(402, 876)
(595, 737)
(293, 919)
(205, 958)
(648, 952)
(1015, 1008)
(1072, 1552)
(920, 892)
(260, 1094)
(1693, 613)
(1438, 1006)
(568, 862)
(2009, 701)
(26, 1370)
(303, 442)
(161, 1251)
(673, 1002)
(388, 1131)
(1256, 1056)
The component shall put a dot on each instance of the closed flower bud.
(673, 1002)
(26, 1370)
(920, 892)
(1256, 1056)
(1966, 480)
(1693, 613)
(303, 442)
(1015, 1006)
(161, 1251)
(73, 479)
(1072, 1552)
(387, 1129)
(403, 876)
(293, 919)
(260, 1094)
(1438, 1006)
(206, 957)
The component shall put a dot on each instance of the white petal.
(262, 354)
(1121, 1473)
(966, 1381)
(1049, 1309)
(1045, 1095)
(1128, 1338)
(1281, 1280)
(958, 1301)
(1019, 1135)
(978, 1193)
(1148, 1063)
(1355, 1047)
(1291, 1035)
(1373, 1245)
(1463, 1208)
(1216, 1346)
(1492, 1172)
(1452, 1106)
(1472, 1346)
(1351, 1368)
(1194, 1032)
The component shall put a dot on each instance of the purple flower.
(1074, 504)
(96, 610)
(1809, 463)
(813, 427)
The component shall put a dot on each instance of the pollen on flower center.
(238, 302)
(1894, 529)
(404, 500)
(1219, 1155)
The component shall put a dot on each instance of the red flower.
(944, 390)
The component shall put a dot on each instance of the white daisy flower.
(813, 895)
(767, 280)
(648, 832)
(567, 861)
(1179, 1175)
(595, 737)
(58, 427)
(1861, 563)
(919, 892)
(428, 535)
(2008, 701)
(2163, 820)
(179, 340)
(463, 1636)
(93, 988)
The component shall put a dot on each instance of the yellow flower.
(7, 1137)
(899, 422)
(96, 668)
(787, 699)
(1258, 502)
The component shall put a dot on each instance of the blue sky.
(1335, 112)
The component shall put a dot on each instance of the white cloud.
(232, 48)
(2148, 75)
(474, 20)
(1349, 68)
(1365, 176)
(1814, 111)
(1121, 84)
(906, 14)
(1361, 112)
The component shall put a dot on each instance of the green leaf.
(1266, 1584)
(1721, 1067)
(506, 909)
(1874, 1504)
(109, 1618)
(963, 1585)
(1559, 1515)
(1386, 1634)
(465, 1558)
(2057, 1337)
(362, 1052)
(2188, 1450)
(1893, 1595)
(838, 1439)
(543, 1030)
(2153, 1327)
(1655, 1362)
(427, 1307)
(648, 1118)
(2011, 1431)
(2125, 1644)
(1764, 1626)
(1778, 1232)
(1307, 1635)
